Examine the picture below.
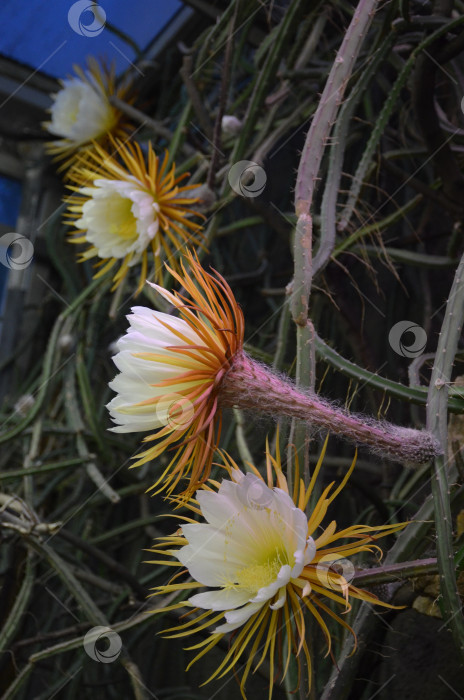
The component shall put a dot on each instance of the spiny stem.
(250, 385)
(412, 394)
(392, 572)
(329, 104)
(307, 176)
(337, 151)
(308, 170)
(437, 423)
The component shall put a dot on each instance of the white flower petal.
(253, 544)
(224, 599)
(118, 217)
(80, 112)
(280, 602)
(237, 476)
(119, 411)
(236, 618)
(310, 551)
(306, 590)
(148, 332)
(139, 376)
(204, 556)
(207, 541)
(217, 508)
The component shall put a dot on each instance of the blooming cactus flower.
(197, 363)
(170, 370)
(125, 209)
(82, 112)
(264, 562)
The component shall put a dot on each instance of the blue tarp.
(52, 35)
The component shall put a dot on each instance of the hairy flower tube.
(263, 563)
(171, 369)
(82, 112)
(127, 210)
(177, 374)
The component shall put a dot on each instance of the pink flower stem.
(252, 386)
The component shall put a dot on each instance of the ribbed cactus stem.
(252, 386)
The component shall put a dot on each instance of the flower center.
(73, 112)
(252, 578)
(119, 219)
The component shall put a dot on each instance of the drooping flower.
(171, 369)
(126, 210)
(264, 563)
(82, 112)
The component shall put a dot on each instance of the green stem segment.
(329, 104)
(308, 172)
(395, 572)
(437, 423)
